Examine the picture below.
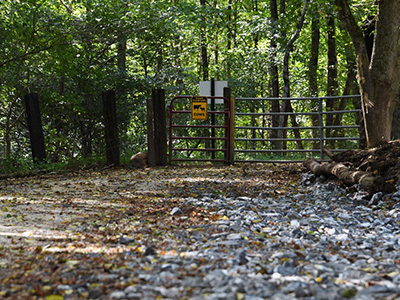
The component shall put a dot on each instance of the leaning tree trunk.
(380, 78)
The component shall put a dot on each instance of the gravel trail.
(314, 241)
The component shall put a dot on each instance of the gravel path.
(319, 242)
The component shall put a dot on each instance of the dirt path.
(35, 211)
(51, 224)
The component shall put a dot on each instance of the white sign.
(205, 90)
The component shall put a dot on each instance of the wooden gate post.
(156, 129)
(35, 127)
(230, 156)
(111, 127)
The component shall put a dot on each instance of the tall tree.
(333, 86)
(313, 71)
(274, 73)
(379, 77)
(286, 104)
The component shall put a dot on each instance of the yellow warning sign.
(199, 108)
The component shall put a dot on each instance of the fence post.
(156, 129)
(230, 155)
(35, 128)
(111, 127)
(321, 128)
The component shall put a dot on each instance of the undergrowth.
(26, 167)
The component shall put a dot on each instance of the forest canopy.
(70, 51)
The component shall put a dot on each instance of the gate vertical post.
(321, 128)
(111, 127)
(213, 116)
(35, 128)
(160, 127)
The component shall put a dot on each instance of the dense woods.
(69, 52)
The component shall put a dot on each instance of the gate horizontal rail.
(306, 131)
(298, 113)
(204, 125)
(254, 132)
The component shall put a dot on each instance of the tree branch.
(289, 48)
(33, 52)
(348, 21)
(69, 10)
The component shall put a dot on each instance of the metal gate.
(210, 139)
(255, 143)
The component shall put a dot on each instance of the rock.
(63, 287)
(95, 293)
(150, 251)
(117, 295)
(375, 198)
(138, 160)
(106, 277)
(242, 259)
(126, 240)
(176, 211)
(396, 195)
(235, 236)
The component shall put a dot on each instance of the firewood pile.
(378, 169)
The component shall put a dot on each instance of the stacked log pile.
(376, 169)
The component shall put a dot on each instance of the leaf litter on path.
(61, 231)
(248, 231)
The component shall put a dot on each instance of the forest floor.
(181, 232)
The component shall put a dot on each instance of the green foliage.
(70, 52)
(25, 167)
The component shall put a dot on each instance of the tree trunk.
(332, 74)
(111, 127)
(274, 76)
(379, 79)
(229, 36)
(203, 45)
(350, 82)
(86, 127)
(121, 60)
(313, 74)
(351, 76)
(296, 131)
(396, 122)
(216, 42)
(35, 127)
(286, 82)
